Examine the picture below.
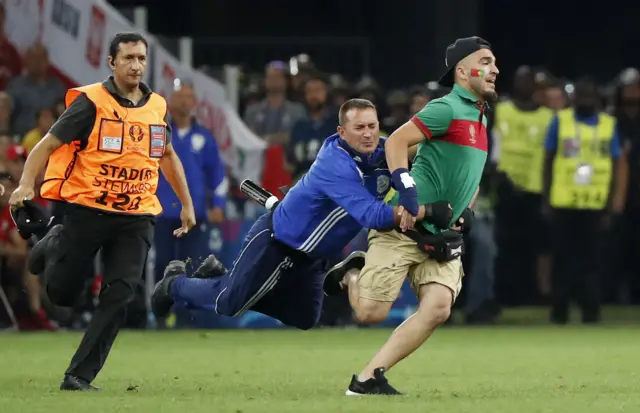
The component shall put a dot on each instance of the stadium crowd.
(514, 253)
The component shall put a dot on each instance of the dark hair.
(353, 104)
(114, 45)
(317, 75)
(586, 84)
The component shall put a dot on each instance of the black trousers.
(578, 250)
(125, 241)
(521, 237)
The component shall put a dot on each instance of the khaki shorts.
(392, 257)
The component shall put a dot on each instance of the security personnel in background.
(584, 185)
(104, 157)
(518, 133)
(205, 172)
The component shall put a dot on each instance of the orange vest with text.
(117, 171)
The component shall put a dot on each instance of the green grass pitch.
(498, 369)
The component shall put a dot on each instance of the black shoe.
(336, 274)
(377, 385)
(161, 300)
(74, 383)
(210, 268)
(37, 258)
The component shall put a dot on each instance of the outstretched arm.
(344, 187)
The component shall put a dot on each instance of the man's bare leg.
(365, 311)
(433, 310)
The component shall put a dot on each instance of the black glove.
(439, 214)
(466, 220)
(31, 218)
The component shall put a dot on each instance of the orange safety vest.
(118, 169)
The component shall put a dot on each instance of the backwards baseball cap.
(457, 51)
(31, 218)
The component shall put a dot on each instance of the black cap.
(458, 51)
(30, 218)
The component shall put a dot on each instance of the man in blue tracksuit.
(205, 172)
(282, 265)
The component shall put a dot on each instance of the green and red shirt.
(449, 164)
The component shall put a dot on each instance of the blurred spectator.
(13, 255)
(419, 97)
(480, 305)
(45, 120)
(518, 133)
(205, 172)
(6, 109)
(627, 104)
(368, 88)
(10, 61)
(15, 157)
(309, 133)
(58, 109)
(542, 79)
(300, 69)
(583, 190)
(5, 142)
(251, 94)
(34, 90)
(273, 118)
(340, 90)
(555, 97)
(398, 106)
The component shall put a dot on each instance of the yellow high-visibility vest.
(522, 136)
(583, 165)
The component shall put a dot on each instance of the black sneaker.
(161, 300)
(332, 281)
(210, 268)
(37, 258)
(73, 383)
(377, 385)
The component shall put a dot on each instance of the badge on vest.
(157, 139)
(570, 148)
(111, 133)
(584, 174)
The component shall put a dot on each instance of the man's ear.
(462, 71)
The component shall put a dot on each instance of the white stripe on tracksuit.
(307, 246)
(322, 229)
(266, 287)
(238, 260)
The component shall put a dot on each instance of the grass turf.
(461, 369)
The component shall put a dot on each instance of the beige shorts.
(392, 257)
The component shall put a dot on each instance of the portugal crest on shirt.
(383, 184)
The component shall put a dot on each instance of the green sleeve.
(434, 119)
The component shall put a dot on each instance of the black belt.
(442, 247)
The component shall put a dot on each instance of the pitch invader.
(452, 144)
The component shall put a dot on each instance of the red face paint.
(477, 73)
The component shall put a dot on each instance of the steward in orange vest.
(104, 155)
